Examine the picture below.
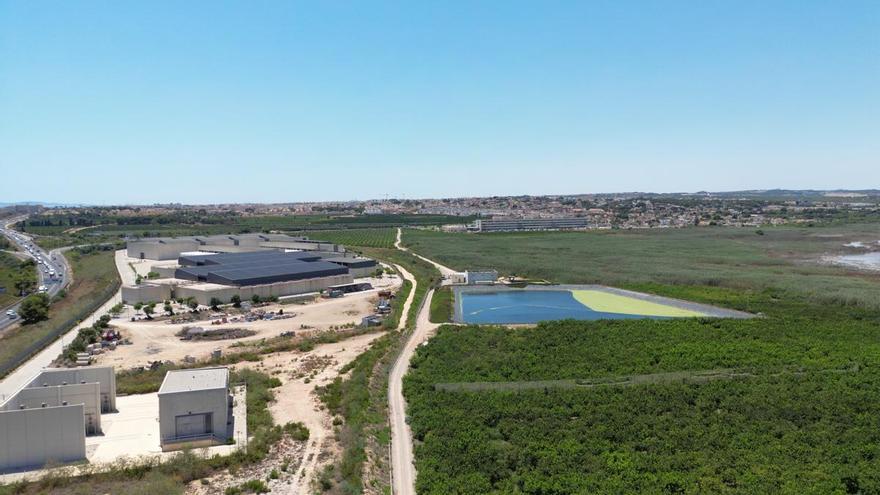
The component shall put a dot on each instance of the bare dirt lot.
(158, 340)
(295, 463)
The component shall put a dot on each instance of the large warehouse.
(255, 268)
(268, 273)
(48, 419)
(169, 248)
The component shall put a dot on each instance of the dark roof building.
(255, 268)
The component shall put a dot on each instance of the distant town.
(581, 211)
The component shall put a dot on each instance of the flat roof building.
(169, 248)
(518, 224)
(195, 408)
(255, 268)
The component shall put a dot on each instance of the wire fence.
(60, 328)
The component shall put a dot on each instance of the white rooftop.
(194, 379)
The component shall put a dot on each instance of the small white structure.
(47, 420)
(195, 408)
(474, 277)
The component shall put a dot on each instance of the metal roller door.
(192, 425)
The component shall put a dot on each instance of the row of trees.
(149, 309)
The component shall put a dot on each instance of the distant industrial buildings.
(248, 265)
(48, 419)
(520, 224)
(170, 248)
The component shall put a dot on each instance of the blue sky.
(141, 102)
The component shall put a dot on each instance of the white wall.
(88, 395)
(153, 250)
(105, 376)
(215, 401)
(32, 438)
(145, 293)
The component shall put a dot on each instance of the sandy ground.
(296, 401)
(157, 341)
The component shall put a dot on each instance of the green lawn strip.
(441, 305)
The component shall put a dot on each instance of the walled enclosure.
(48, 419)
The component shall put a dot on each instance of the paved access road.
(47, 262)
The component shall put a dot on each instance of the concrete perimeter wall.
(152, 250)
(145, 293)
(225, 293)
(34, 437)
(105, 376)
(88, 395)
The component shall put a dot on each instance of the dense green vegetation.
(583, 349)
(441, 305)
(794, 410)
(94, 281)
(784, 259)
(15, 275)
(377, 238)
(810, 433)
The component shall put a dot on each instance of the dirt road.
(403, 471)
(402, 467)
(445, 271)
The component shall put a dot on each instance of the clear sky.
(152, 101)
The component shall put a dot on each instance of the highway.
(47, 262)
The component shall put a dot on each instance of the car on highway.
(11, 314)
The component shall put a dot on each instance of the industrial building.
(169, 248)
(520, 224)
(255, 268)
(47, 420)
(474, 277)
(265, 273)
(195, 408)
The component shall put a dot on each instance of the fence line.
(60, 329)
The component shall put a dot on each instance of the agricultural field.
(193, 223)
(783, 403)
(784, 259)
(53, 231)
(374, 238)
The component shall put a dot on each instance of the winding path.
(403, 471)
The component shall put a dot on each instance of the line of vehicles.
(50, 269)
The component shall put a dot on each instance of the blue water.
(527, 306)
